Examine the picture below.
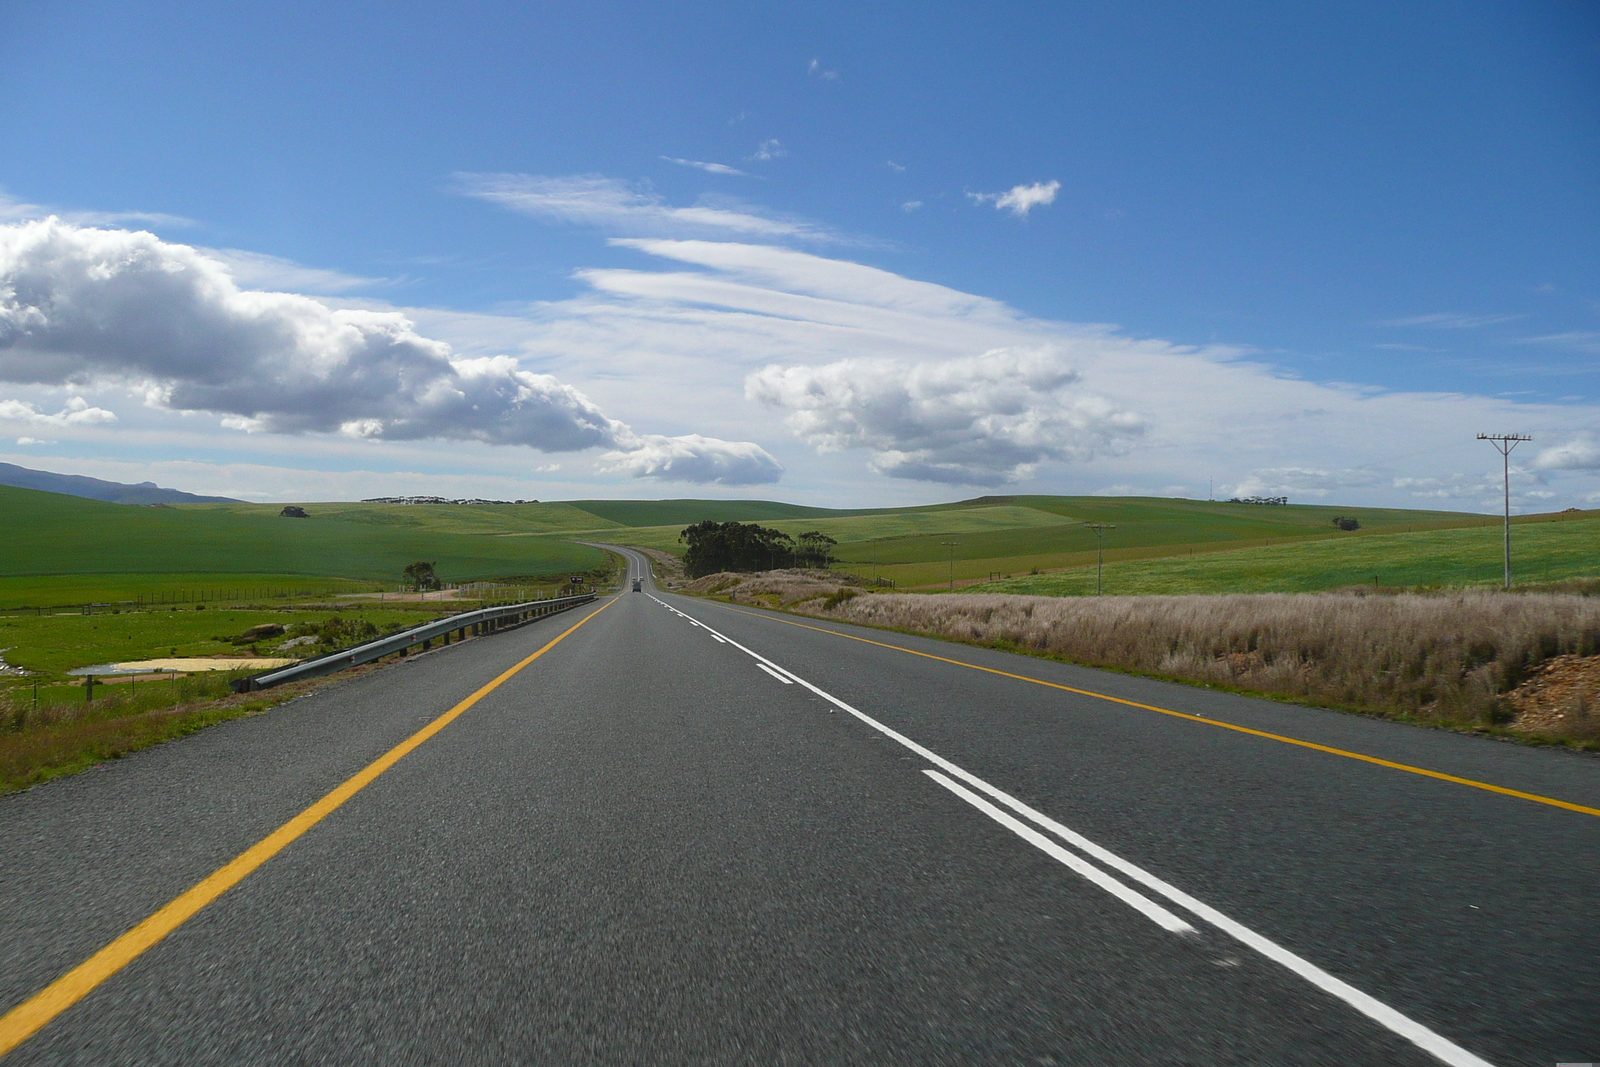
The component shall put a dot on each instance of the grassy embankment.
(61, 550)
(1468, 659)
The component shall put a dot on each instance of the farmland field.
(998, 536)
(60, 590)
(50, 534)
(1543, 551)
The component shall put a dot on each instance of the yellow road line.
(23, 1021)
(1440, 775)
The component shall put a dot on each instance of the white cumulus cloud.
(1021, 199)
(1579, 454)
(92, 306)
(981, 420)
(76, 413)
(692, 458)
(1309, 481)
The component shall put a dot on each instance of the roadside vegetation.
(1525, 664)
(38, 744)
(52, 723)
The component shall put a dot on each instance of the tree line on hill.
(740, 546)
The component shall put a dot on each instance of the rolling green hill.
(1007, 535)
(1544, 549)
(51, 534)
(1158, 544)
(471, 519)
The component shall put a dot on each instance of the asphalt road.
(693, 833)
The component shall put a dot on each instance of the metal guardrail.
(482, 621)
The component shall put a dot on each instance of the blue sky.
(1324, 245)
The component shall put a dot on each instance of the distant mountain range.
(96, 489)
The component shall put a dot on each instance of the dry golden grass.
(1449, 658)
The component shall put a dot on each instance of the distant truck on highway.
(638, 585)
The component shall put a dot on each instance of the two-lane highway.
(694, 833)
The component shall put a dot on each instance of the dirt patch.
(1561, 698)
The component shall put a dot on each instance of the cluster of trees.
(746, 546)
(1346, 523)
(420, 576)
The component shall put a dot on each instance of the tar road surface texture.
(692, 833)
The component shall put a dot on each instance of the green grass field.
(61, 550)
(453, 519)
(1012, 535)
(58, 590)
(1551, 550)
(52, 535)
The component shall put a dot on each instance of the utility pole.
(1503, 444)
(1099, 529)
(953, 546)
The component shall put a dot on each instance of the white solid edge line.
(774, 673)
(1138, 901)
(1374, 1009)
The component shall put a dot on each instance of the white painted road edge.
(1440, 1047)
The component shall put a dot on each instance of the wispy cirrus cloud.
(1446, 320)
(14, 210)
(1576, 340)
(709, 168)
(255, 270)
(817, 70)
(1020, 199)
(622, 206)
(771, 148)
